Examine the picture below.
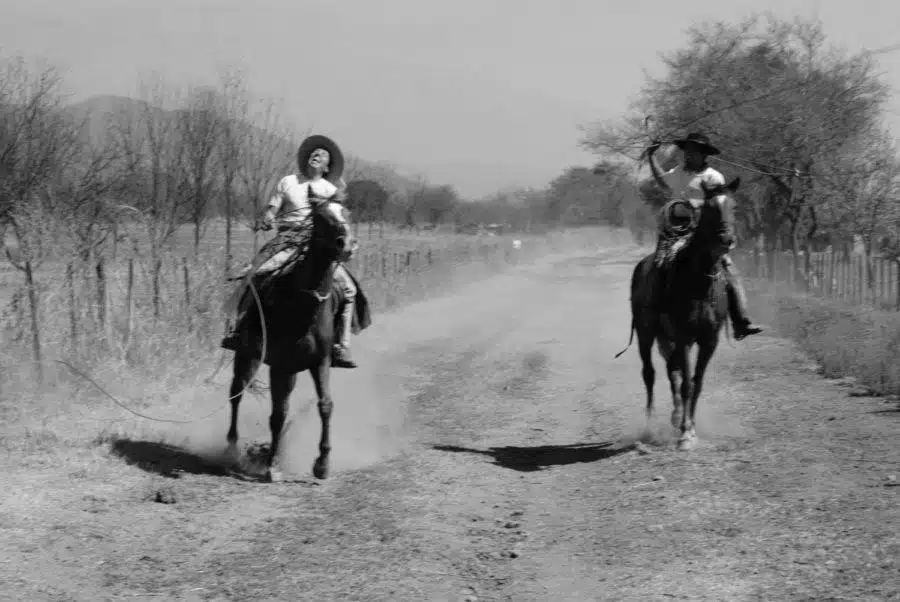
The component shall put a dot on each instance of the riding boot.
(737, 302)
(340, 356)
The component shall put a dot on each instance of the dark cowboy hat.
(335, 167)
(699, 140)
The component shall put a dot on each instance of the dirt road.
(485, 451)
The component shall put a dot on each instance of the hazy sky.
(476, 93)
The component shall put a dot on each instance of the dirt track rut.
(484, 450)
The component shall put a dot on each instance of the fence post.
(101, 295)
(861, 275)
(156, 269)
(35, 327)
(129, 302)
(897, 280)
(187, 282)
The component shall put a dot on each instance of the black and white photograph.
(449, 300)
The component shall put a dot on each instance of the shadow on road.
(171, 461)
(530, 459)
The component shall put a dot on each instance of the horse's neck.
(695, 259)
(313, 273)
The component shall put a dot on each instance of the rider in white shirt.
(321, 165)
(683, 181)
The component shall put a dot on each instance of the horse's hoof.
(320, 469)
(687, 443)
(274, 476)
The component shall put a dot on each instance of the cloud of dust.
(366, 425)
(714, 420)
(368, 422)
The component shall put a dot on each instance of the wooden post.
(73, 312)
(101, 295)
(129, 302)
(156, 269)
(35, 326)
(861, 274)
(897, 280)
(187, 282)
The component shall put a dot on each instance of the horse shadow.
(172, 461)
(540, 457)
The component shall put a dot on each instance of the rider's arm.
(275, 202)
(727, 230)
(340, 196)
(658, 175)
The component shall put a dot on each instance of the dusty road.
(485, 451)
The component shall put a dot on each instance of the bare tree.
(152, 162)
(267, 154)
(235, 107)
(200, 131)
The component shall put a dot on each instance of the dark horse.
(289, 325)
(683, 301)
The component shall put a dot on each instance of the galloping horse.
(292, 330)
(681, 300)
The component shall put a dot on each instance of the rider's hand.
(264, 224)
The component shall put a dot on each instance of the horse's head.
(331, 237)
(715, 228)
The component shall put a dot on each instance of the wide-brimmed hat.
(699, 140)
(335, 166)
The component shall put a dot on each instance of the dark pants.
(737, 297)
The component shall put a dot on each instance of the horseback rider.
(686, 181)
(320, 167)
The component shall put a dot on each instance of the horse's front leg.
(243, 372)
(682, 360)
(281, 384)
(704, 354)
(673, 369)
(321, 380)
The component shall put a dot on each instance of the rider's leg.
(737, 301)
(340, 356)
(232, 338)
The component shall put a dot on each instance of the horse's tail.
(630, 339)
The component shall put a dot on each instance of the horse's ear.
(734, 184)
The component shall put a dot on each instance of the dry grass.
(846, 339)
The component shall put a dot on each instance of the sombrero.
(697, 139)
(335, 167)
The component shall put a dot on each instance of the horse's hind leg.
(281, 384)
(320, 375)
(242, 373)
(689, 435)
